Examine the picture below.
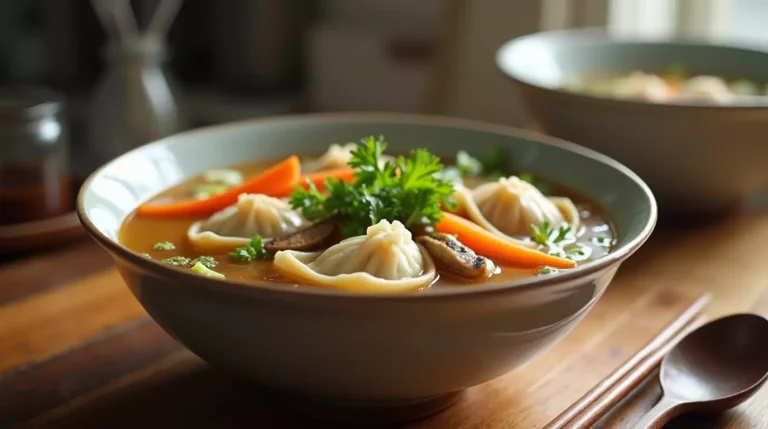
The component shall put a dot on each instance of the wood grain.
(81, 353)
(30, 391)
(49, 322)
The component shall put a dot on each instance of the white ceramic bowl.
(374, 351)
(696, 157)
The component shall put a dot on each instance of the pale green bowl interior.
(118, 188)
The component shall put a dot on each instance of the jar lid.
(19, 104)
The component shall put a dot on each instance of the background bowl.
(695, 157)
(362, 350)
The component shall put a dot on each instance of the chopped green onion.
(602, 241)
(208, 190)
(450, 173)
(468, 165)
(177, 261)
(201, 269)
(207, 261)
(164, 246)
(546, 270)
(744, 87)
(224, 176)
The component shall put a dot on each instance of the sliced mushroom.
(455, 257)
(310, 238)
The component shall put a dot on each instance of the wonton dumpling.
(235, 225)
(710, 88)
(510, 206)
(644, 86)
(338, 156)
(385, 259)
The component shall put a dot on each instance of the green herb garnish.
(496, 162)
(546, 235)
(540, 234)
(207, 190)
(744, 87)
(468, 165)
(526, 177)
(254, 250)
(450, 172)
(207, 261)
(164, 246)
(561, 242)
(223, 176)
(408, 189)
(676, 71)
(542, 271)
(602, 241)
(177, 261)
(574, 250)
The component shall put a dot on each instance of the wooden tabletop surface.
(78, 351)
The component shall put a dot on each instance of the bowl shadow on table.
(195, 395)
(191, 395)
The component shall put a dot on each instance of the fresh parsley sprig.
(559, 242)
(252, 251)
(407, 190)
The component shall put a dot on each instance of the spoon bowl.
(714, 368)
(719, 362)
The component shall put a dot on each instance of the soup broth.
(166, 238)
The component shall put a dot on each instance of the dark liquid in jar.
(33, 192)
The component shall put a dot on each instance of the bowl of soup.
(689, 118)
(363, 260)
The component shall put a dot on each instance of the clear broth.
(140, 233)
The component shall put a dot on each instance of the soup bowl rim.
(504, 57)
(158, 269)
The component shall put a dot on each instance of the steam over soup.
(359, 220)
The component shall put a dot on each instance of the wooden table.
(77, 351)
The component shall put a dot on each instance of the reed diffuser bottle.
(136, 101)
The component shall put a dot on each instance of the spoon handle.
(660, 414)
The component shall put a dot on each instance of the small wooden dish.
(28, 236)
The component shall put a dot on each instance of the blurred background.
(235, 59)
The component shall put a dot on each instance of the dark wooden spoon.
(715, 368)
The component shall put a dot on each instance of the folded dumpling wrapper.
(337, 156)
(385, 259)
(709, 88)
(509, 206)
(644, 86)
(235, 225)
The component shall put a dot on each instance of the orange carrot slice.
(490, 245)
(271, 182)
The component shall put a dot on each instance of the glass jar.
(34, 173)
